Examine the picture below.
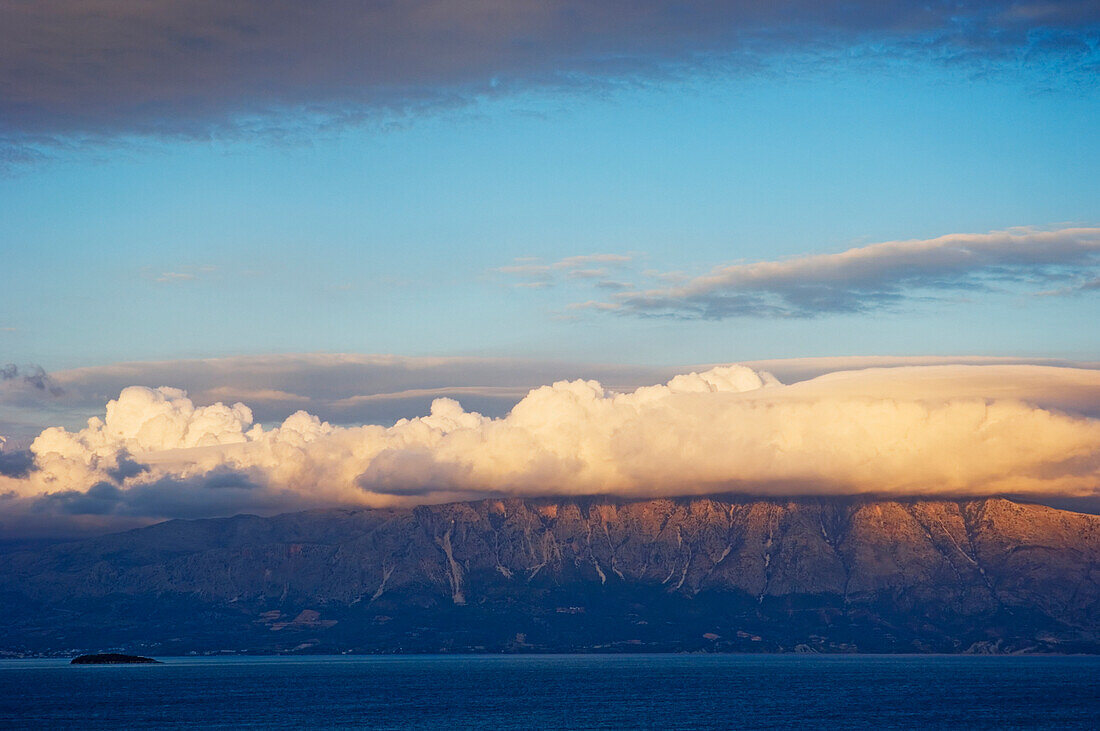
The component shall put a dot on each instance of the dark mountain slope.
(575, 574)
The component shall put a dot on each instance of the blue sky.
(383, 236)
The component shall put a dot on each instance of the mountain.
(590, 574)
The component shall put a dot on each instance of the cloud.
(533, 273)
(339, 387)
(368, 389)
(533, 285)
(111, 67)
(32, 377)
(1085, 287)
(174, 277)
(15, 464)
(793, 370)
(947, 430)
(874, 277)
(509, 393)
(179, 275)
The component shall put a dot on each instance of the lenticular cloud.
(925, 430)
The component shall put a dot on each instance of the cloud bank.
(877, 276)
(921, 430)
(113, 67)
(354, 389)
(342, 388)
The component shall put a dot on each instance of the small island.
(112, 658)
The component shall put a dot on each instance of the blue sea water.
(557, 692)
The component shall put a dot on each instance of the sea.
(557, 692)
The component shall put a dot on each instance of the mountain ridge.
(716, 573)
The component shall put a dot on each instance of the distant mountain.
(595, 574)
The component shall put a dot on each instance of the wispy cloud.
(174, 277)
(532, 285)
(875, 277)
(1091, 285)
(533, 273)
(180, 274)
(84, 69)
(508, 393)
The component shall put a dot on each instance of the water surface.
(557, 691)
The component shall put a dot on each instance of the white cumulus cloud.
(946, 430)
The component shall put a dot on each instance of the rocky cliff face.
(587, 574)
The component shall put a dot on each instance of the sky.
(353, 209)
(392, 240)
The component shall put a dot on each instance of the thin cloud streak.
(533, 273)
(340, 388)
(501, 392)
